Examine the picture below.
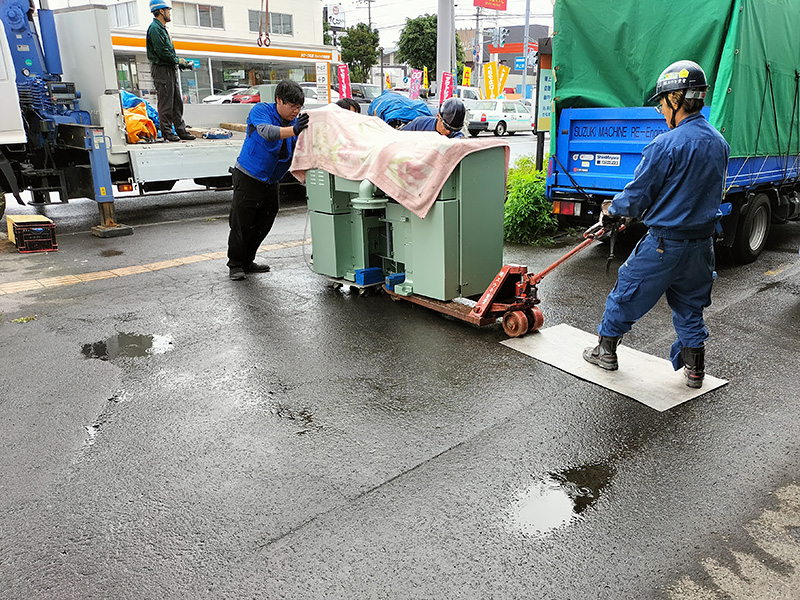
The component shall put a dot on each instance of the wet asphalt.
(173, 434)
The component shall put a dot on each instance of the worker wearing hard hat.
(163, 67)
(677, 190)
(448, 121)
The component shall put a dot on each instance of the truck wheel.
(500, 129)
(474, 132)
(753, 229)
(2, 203)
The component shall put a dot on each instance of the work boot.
(604, 355)
(255, 267)
(171, 137)
(185, 135)
(694, 365)
(237, 274)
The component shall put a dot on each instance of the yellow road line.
(50, 282)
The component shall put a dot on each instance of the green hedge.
(528, 215)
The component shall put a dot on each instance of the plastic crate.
(32, 233)
(394, 279)
(369, 276)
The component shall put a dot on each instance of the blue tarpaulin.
(396, 109)
(130, 100)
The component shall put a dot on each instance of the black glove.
(610, 220)
(300, 124)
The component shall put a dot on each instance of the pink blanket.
(409, 166)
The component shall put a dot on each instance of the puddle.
(108, 253)
(560, 498)
(128, 344)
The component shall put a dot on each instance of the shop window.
(197, 15)
(123, 14)
(279, 23)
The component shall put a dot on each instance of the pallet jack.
(513, 294)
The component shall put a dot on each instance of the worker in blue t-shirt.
(676, 190)
(266, 155)
(448, 121)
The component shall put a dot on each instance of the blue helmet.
(157, 5)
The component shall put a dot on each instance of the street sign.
(519, 63)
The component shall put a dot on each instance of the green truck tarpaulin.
(610, 54)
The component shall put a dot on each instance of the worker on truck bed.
(164, 65)
(676, 190)
(264, 159)
(448, 121)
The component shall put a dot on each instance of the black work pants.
(170, 103)
(255, 205)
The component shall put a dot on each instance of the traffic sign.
(519, 63)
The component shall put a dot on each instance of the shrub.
(528, 215)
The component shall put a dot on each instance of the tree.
(360, 51)
(417, 45)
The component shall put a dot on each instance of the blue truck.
(598, 149)
(605, 65)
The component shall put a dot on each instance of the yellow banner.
(466, 77)
(490, 79)
(425, 83)
(502, 75)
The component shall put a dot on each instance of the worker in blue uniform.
(264, 159)
(676, 190)
(448, 121)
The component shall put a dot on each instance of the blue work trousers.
(681, 269)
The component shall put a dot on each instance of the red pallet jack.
(513, 294)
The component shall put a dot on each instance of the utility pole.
(525, 48)
(369, 10)
(477, 49)
(444, 42)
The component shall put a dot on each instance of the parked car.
(223, 96)
(249, 96)
(364, 93)
(499, 117)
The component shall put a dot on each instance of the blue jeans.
(681, 269)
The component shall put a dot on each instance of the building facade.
(231, 43)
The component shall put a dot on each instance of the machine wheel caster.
(336, 285)
(515, 323)
(535, 319)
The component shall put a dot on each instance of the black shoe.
(171, 137)
(604, 355)
(185, 135)
(255, 267)
(237, 274)
(694, 361)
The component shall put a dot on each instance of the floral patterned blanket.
(409, 166)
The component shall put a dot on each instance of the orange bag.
(138, 125)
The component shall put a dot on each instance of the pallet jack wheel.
(515, 323)
(535, 319)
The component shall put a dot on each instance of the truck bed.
(200, 158)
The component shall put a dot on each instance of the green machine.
(455, 251)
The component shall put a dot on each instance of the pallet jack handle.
(594, 233)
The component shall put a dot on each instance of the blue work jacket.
(260, 158)
(427, 124)
(678, 185)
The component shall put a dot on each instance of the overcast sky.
(389, 16)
